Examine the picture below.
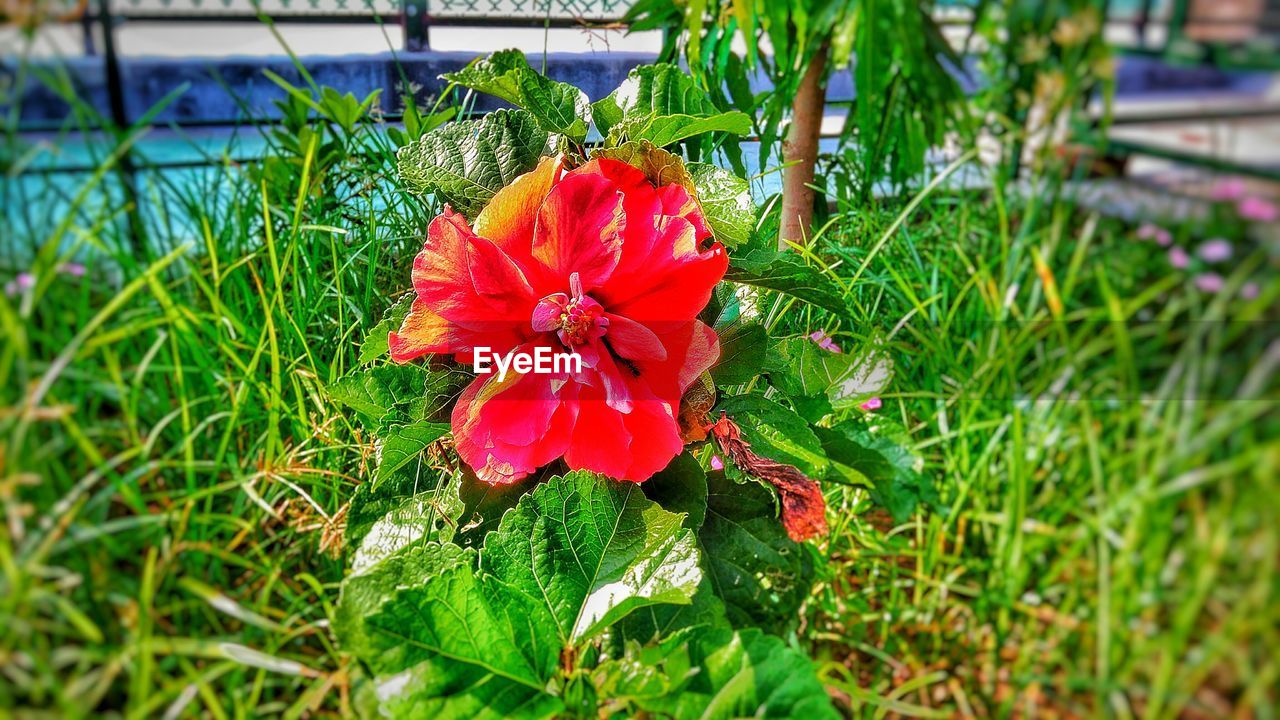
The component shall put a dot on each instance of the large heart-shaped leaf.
(762, 575)
(446, 640)
(742, 353)
(607, 551)
(558, 107)
(466, 163)
(449, 633)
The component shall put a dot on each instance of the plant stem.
(800, 151)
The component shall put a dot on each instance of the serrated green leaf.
(743, 347)
(652, 91)
(776, 432)
(681, 487)
(448, 633)
(558, 107)
(425, 516)
(890, 469)
(404, 443)
(787, 273)
(664, 130)
(658, 165)
(469, 640)
(726, 202)
(611, 551)
(375, 341)
(465, 163)
(801, 369)
(372, 502)
(718, 673)
(760, 574)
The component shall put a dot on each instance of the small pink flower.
(1249, 291)
(1179, 258)
(23, 282)
(1148, 231)
(1209, 282)
(71, 268)
(1231, 188)
(716, 463)
(872, 405)
(1215, 250)
(824, 341)
(1258, 209)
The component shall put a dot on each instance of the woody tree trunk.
(800, 152)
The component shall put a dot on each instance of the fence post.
(413, 17)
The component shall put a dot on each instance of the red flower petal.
(579, 230)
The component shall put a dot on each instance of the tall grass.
(174, 476)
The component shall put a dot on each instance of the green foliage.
(726, 200)
(465, 163)
(787, 273)
(761, 575)
(888, 466)
(742, 353)
(558, 107)
(801, 369)
(661, 104)
(449, 632)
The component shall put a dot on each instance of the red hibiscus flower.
(595, 261)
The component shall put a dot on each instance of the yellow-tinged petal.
(508, 218)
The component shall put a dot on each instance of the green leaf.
(760, 574)
(651, 91)
(384, 390)
(465, 163)
(558, 107)
(371, 502)
(681, 487)
(402, 444)
(742, 354)
(664, 130)
(423, 516)
(726, 202)
(776, 432)
(663, 105)
(375, 341)
(658, 165)
(445, 640)
(883, 458)
(718, 673)
(787, 273)
(449, 633)
(800, 368)
(606, 551)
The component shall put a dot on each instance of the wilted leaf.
(776, 432)
(558, 107)
(465, 163)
